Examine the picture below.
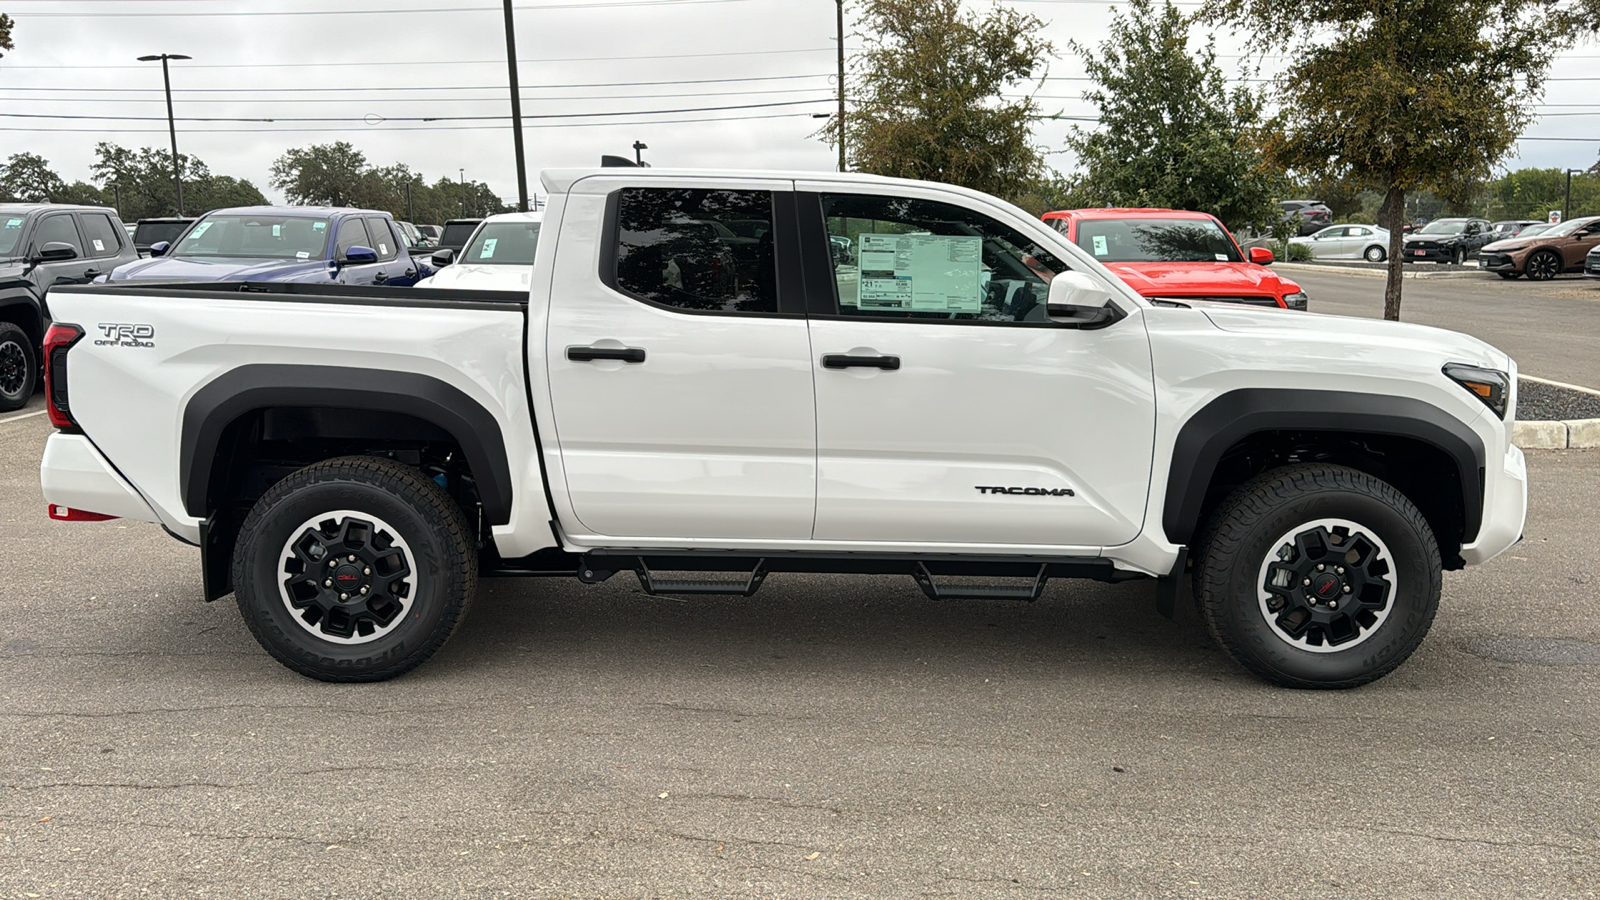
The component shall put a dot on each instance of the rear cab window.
(696, 249)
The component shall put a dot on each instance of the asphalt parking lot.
(831, 737)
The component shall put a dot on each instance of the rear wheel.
(1318, 576)
(1375, 254)
(354, 569)
(1543, 266)
(18, 369)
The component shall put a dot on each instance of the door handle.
(410, 273)
(91, 273)
(380, 278)
(846, 361)
(590, 354)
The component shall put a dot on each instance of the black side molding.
(1239, 414)
(256, 387)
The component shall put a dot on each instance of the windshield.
(10, 233)
(147, 233)
(1532, 230)
(1444, 226)
(255, 236)
(1566, 228)
(456, 233)
(1157, 240)
(503, 244)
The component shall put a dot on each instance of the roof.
(560, 181)
(516, 217)
(299, 211)
(25, 208)
(1122, 212)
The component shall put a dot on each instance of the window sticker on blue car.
(319, 226)
(383, 248)
(277, 231)
(13, 223)
(302, 254)
(488, 248)
(199, 230)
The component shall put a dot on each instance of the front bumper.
(1591, 265)
(1409, 253)
(1497, 262)
(1505, 506)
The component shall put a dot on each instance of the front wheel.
(18, 369)
(1375, 254)
(1543, 266)
(1461, 256)
(1318, 576)
(354, 569)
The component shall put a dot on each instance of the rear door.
(680, 378)
(950, 410)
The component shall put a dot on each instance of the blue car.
(305, 244)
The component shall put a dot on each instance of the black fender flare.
(1238, 414)
(19, 299)
(249, 388)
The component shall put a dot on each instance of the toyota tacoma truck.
(898, 378)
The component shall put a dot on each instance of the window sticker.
(488, 248)
(99, 246)
(277, 231)
(938, 273)
(1100, 248)
(13, 223)
(319, 226)
(302, 254)
(1221, 257)
(383, 248)
(198, 231)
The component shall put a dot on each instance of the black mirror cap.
(56, 251)
(445, 257)
(360, 255)
(1086, 318)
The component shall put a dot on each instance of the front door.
(61, 228)
(1575, 248)
(353, 233)
(681, 388)
(950, 410)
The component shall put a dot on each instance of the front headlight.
(1297, 300)
(1489, 385)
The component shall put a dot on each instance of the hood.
(173, 268)
(1359, 335)
(479, 277)
(1512, 244)
(1180, 279)
(1416, 236)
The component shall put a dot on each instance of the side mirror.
(444, 257)
(1078, 301)
(56, 251)
(1261, 256)
(159, 248)
(359, 255)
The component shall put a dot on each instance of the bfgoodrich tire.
(354, 569)
(19, 370)
(1318, 576)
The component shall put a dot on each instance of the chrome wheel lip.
(12, 356)
(343, 516)
(1263, 596)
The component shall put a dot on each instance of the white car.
(498, 256)
(1368, 242)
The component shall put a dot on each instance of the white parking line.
(37, 412)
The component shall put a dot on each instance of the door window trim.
(786, 255)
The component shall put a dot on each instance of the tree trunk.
(1394, 213)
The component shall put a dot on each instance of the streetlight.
(1566, 206)
(840, 4)
(638, 153)
(462, 181)
(516, 109)
(172, 128)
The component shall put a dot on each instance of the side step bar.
(1029, 593)
(656, 586)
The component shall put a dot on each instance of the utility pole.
(462, 181)
(516, 109)
(840, 4)
(172, 128)
(1566, 206)
(638, 152)
(411, 209)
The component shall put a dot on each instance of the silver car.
(1368, 242)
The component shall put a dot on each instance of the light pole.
(638, 152)
(462, 182)
(172, 128)
(840, 4)
(516, 109)
(1566, 206)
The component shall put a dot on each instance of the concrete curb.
(1365, 272)
(1568, 434)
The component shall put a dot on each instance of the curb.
(1410, 273)
(1568, 434)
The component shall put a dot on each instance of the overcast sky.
(761, 67)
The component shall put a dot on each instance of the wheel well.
(24, 316)
(261, 447)
(1425, 474)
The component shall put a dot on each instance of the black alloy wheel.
(18, 372)
(1318, 576)
(354, 569)
(1543, 266)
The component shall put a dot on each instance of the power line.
(367, 12)
(462, 87)
(366, 130)
(498, 98)
(381, 119)
(451, 62)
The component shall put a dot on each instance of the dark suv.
(43, 245)
(1308, 216)
(1447, 240)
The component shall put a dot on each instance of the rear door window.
(678, 247)
(102, 237)
(387, 246)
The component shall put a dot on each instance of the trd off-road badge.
(1029, 491)
(121, 335)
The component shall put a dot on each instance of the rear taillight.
(57, 341)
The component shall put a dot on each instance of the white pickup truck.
(717, 376)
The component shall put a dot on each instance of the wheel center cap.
(1325, 586)
(347, 579)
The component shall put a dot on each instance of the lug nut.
(363, 590)
(352, 557)
(1320, 567)
(1305, 582)
(328, 583)
(367, 571)
(344, 596)
(1347, 589)
(1333, 604)
(1339, 570)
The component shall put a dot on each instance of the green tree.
(5, 33)
(144, 178)
(928, 87)
(1404, 95)
(28, 178)
(1532, 193)
(1171, 133)
(84, 193)
(321, 175)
